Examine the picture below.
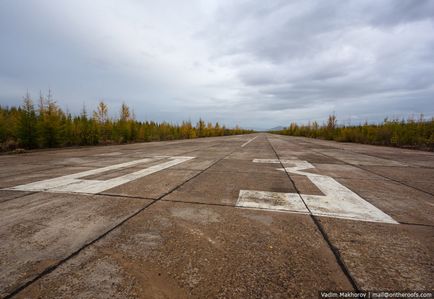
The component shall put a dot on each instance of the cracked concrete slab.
(195, 242)
(40, 230)
(184, 250)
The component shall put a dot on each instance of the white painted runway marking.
(271, 201)
(273, 161)
(338, 201)
(244, 144)
(109, 154)
(74, 183)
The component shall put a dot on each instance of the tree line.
(47, 126)
(410, 133)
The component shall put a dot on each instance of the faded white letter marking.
(74, 183)
(338, 201)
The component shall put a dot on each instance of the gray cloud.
(255, 63)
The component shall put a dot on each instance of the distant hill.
(278, 128)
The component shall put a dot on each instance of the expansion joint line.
(17, 197)
(53, 267)
(376, 173)
(363, 168)
(370, 171)
(321, 229)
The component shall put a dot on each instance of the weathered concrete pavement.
(181, 229)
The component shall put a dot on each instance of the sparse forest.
(46, 125)
(409, 133)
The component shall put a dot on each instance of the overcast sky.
(257, 63)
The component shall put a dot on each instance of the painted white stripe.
(74, 184)
(108, 184)
(244, 144)
(107, 168)
(109, 154)
(71, 178)
(271, 201)
(274, 161)
(338, 201)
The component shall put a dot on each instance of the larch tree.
(27, 126)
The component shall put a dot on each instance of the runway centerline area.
(257, 215)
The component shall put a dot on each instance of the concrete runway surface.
(248, 216)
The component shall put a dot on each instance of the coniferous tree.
(49, 122)
(102, 119)
(200, 128)
(27, 132)
(49, 126)
(3, 124)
